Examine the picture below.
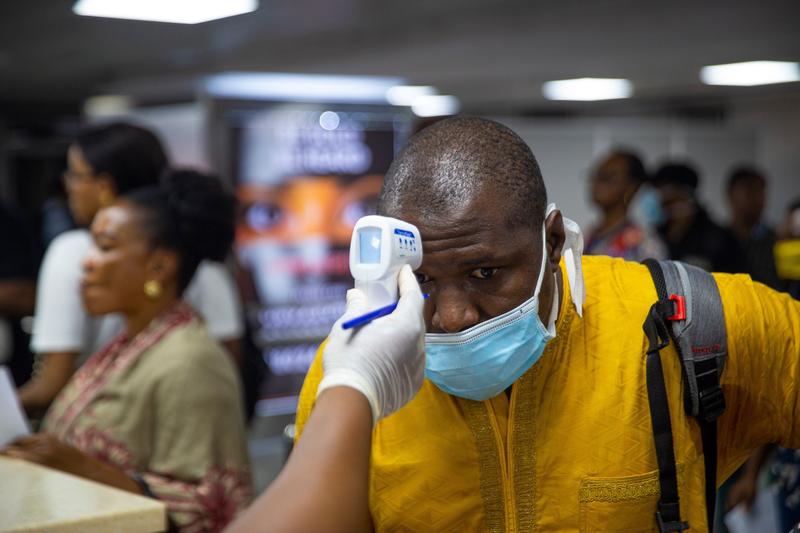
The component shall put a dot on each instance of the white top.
(61, 324)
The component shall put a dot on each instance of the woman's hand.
(47, 450)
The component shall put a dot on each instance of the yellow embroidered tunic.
(572, 449)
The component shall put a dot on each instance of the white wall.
(181, 127)
(568, 148)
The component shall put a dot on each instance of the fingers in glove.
(356, 303)
(411, 300)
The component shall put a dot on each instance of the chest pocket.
(623, 504)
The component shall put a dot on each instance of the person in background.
(785, 468)
(615, 182)
(689, 232)
(746, 197)
(158, 410)
(104, 162)
(17, 291)
(746, 194)
(783, 464)
(787, 249)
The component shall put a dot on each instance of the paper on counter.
(12, 420)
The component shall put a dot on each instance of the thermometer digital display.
(379, 247)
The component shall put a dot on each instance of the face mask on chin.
(484, 360)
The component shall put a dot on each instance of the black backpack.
(689, 315)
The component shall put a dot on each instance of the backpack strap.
(689, 314)
(668, 514)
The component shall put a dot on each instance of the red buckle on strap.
(680, 307)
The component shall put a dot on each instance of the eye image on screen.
(303, 180)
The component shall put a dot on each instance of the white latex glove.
(385, 359)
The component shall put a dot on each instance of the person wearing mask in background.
(104, 162)
(368, 375)
(746, 198)
(615, 182)
(534, 413)
(689, 232)
(158, 410)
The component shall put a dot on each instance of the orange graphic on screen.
(326, 207)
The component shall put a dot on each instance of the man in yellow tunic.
(545, 424)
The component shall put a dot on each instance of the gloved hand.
(385, 359)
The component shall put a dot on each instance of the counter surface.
(35, 498)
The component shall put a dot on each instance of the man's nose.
(453, 311)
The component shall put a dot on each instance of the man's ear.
(554, 233)
(162, 265)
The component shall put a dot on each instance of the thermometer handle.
(380, 292)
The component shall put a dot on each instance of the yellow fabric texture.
(572, 450)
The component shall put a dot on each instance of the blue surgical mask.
(482, 361)
(646, 208)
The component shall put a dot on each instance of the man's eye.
(421, 278)
(484, 272)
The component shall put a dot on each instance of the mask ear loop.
(572, 252)
(551, 323)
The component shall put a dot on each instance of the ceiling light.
(178, 11)
(435, 105)
(406, 94)
(329, 120)
(109, 105)
(300, 87)
(750, 73)
(587, 89)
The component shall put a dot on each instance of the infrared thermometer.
(380, 246)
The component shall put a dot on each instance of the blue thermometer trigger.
(372, 315)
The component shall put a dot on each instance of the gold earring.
(152, 289)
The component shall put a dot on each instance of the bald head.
(453, 162)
